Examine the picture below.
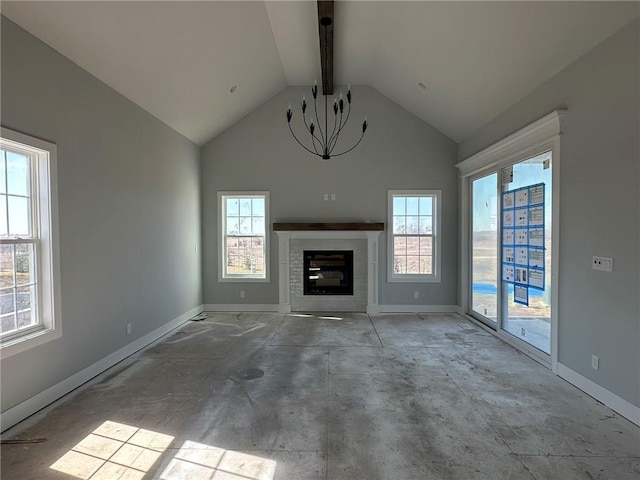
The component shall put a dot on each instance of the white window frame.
(222, 215)
(44, 195)
(434, 277)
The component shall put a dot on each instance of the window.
(244, 219)
(414, 246)
(29, 283)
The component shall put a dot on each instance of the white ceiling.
(178, 60)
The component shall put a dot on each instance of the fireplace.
(328, 272)
(296, 238)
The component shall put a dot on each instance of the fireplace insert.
(328, 272)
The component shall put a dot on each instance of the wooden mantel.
(305, 227)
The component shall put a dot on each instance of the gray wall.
(129, 210)
(399, 152)
(598, 312)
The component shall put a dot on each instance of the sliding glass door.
(510, 233)
(484, 248)
(510, 237)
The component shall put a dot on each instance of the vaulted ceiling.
(180, 60)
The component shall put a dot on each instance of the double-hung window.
(244, 245)
(414, 236)
(29, 283)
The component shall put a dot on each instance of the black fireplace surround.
(328, 272)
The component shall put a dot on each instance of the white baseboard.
(274, 307)
(241, 307)
(611, 400)
(418, 308)
(25, 409)
(373, 309)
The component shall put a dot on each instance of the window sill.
(414, 279)
(29, 341)
(243, 280)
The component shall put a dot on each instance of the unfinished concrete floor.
(344, 396)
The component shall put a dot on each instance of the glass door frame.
(470, 311)
(503, 300)
(539, 137)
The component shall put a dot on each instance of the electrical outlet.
(595, 362)
(602, 263)
(523, 332)
(128, 329)
(333, 197)
(416, 294)
(195, 248)
(325, 197)
(241, 293)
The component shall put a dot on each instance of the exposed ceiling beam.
(325, 30)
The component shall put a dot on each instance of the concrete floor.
(345, 396)
(537, 331)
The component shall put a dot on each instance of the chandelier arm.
(347, 151)
(331, 143)
(348, 115)
(342, 124)
(315, 108)
(334, 140)
(313, 142)
(300, 143)
(308, 129)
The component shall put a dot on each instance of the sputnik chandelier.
(323, 142)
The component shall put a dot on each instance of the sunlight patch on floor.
(202, 462)
(124, 452)
(114, 450)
